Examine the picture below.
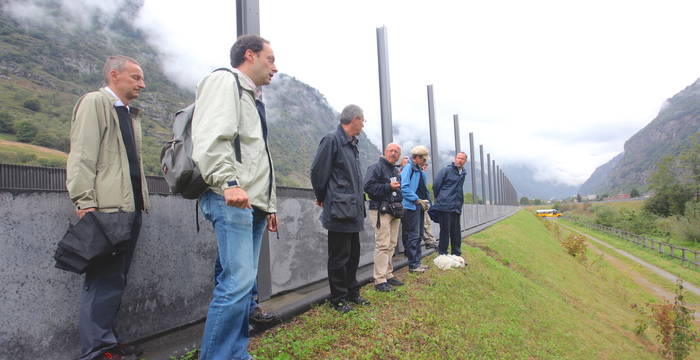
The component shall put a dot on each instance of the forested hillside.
(45, 65)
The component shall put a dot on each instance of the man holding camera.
(383, 186)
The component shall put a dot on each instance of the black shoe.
(359, 300)
(394, 282)
(127, 349)
(260, 317)
(341, 307)
(385, 287)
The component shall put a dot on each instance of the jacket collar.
(134, 111)
(386, 162)
(343, 137)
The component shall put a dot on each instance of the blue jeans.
(253, 292)
(238, 234)
(412, 233)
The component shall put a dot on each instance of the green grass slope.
(520, 297)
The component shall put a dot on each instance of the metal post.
(483, 185)
(493, 170)
(247, 17)
(434, 156)
(490, 174)
(458, 144)
(473, 168)
(499, 200)
(384, 87)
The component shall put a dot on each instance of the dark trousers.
(450, 233)
(411, 235)
(101, 298)
(343, 259)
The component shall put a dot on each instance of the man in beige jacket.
(229, 146)
(105, 173)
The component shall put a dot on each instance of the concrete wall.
(171, 275)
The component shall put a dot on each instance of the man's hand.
(82, 212)
(395, 185)
(318, 203)
(272, 223)
(235, 196)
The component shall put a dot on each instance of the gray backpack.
(179, 170)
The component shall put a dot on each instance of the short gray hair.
(350, 112)
(116, 62)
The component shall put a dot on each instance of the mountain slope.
(666, 135)
(46, 65)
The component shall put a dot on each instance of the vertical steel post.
(247, 17)
(458, 143)
(384, 86)
(434, 155)
(499, 201)
(490, 174)
(483, 185)
(473, 168)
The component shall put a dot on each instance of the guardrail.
(663, 248)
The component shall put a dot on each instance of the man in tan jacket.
(105, 173)
(229, 146)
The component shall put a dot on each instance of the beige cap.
(419, 150)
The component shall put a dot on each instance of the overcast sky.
(556, 84)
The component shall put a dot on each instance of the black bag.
(96, 234)
(394, 209)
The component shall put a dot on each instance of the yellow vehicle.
(550, 213)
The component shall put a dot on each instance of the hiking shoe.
(394, 282)
(385, 287)
(260, 317)
(341, 307)
(359, 300)
(419, 269)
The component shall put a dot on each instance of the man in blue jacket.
(414, 189)
(337, 182)
(449, 198)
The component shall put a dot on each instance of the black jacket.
(377, 183)
(336, 180)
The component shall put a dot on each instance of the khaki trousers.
(385, 239)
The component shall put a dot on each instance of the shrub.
(605, 215)
(575, 245)
(6, 123)
(33, 105)
(674, 323)
(25, 131)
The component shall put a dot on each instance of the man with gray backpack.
(230, 150)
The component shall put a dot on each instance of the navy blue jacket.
(449, 196)
(337, 182)
(377, 183)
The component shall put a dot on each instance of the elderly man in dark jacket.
(383, 186)
(449, 198)
(337, 182)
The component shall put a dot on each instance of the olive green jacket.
(97, 173)
(221, 115)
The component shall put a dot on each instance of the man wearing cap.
(414, 189)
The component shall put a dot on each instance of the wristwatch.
(230, 184)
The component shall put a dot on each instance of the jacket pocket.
(344, 206)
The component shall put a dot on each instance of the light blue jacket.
(410, 177)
